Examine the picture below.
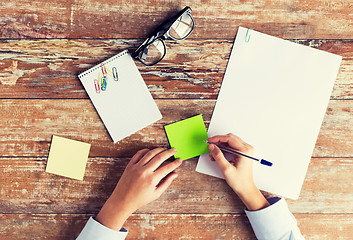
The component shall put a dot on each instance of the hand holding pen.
(261, 161)
(237, 172)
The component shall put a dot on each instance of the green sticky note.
(188, 137)
(68, 157)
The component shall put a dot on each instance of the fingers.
(219, 157)
(211, 158)
(149, 155)
(166, 183)
(165, 170)
(231, 139)
(160, 158)
(136, 158)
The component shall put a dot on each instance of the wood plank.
(191, 69)
(136, 19)
(28, 125)
(141, 226)
(27, 188)
(169, 226)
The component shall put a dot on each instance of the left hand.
(142, 182)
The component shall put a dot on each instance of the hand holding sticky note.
(68, 157)
(188, 137)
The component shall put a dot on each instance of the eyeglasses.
(153, 49)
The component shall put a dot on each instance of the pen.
(262, 161)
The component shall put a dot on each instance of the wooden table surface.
(45, 44)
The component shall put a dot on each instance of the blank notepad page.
(120, 96)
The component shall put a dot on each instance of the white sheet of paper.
(126, 105)
(274, 96)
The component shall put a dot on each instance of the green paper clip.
(104, 83)
(247, 37)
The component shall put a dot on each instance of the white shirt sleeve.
(96, 231)
(275, 222)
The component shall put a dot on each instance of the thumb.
(219, 157)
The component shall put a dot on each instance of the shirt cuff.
(273, 222)
(96, 231)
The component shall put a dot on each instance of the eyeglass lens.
(181, 27)
(155, 51)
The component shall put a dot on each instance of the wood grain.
(27, 188)
(135, 19)
(44, 45)
(192, 69)
(28, 125)
(169, 226)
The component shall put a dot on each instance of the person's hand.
(238, 171)
(143, 181)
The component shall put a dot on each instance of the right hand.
(238, 172)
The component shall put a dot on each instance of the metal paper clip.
(104, 83)
(115, 74)
(96, 86)
(247, 37)
(104, 70)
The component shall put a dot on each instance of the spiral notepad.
(120, 96)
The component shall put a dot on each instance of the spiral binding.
(105, 62)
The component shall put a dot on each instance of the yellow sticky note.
(68, 157)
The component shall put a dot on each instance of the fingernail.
(211, 147)
(174, 150)
(179, 160)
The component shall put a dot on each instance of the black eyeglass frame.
(162, 33)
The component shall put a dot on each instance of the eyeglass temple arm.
(156, 34)
(147, 41)
(160, 30)
(169, 22)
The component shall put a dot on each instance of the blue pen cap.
(264, 162)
